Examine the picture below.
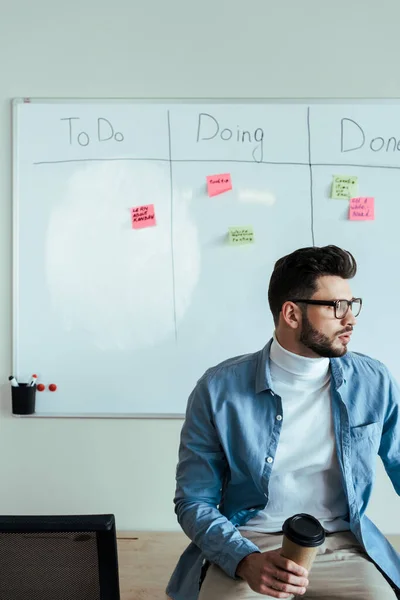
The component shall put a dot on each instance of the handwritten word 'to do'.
(105, 132)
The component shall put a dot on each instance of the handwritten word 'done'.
(239, 236)
(218, 184)
(361, 209)
(143, 216)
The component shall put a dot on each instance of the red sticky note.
(143, 216)
(218, 184)
(361, 209)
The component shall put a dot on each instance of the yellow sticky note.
(344, 187)
(241, 235)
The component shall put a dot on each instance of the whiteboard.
(124, 321)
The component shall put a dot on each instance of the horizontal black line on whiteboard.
(227, 160)
(73, 160)
(221, 160)
(232, 160)
(354, 165)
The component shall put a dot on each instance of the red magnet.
(52, 387)
(40, 387)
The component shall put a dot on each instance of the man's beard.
(319, 342)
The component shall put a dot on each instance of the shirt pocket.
(365, 440)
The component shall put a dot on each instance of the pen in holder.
(23, 399)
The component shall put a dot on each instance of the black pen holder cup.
(23, 399)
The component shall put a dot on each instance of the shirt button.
(270, 459)
(279, 417)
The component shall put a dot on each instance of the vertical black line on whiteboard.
(172, 225)
(311, 176)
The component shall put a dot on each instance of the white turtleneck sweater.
(305, 474)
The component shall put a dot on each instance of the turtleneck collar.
(298, 366)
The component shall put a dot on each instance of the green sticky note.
(344, 187)
(241, 235)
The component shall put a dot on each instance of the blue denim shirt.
(231, 429)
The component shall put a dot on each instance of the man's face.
(321, 332)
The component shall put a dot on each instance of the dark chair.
(58, 558)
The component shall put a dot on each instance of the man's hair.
(296, 275)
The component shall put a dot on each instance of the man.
(293, 428)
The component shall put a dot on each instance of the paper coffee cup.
(303, 534)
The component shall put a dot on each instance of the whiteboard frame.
(16, 102)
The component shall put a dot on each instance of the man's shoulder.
(231, 366)
(356, 361)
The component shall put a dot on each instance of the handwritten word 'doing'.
(209, 128)
(104, 132)
(361, 209)
(143, 216)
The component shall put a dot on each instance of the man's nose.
(349, 318)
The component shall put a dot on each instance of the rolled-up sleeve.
(200, 476)
(389, 449)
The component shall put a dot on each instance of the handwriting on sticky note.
(344, 187)
(218, 184)
(361, 209)
(241, 235)
(143, 216)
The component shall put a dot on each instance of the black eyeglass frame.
(334, 303)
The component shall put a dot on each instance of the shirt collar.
(263, 371)
(337, 373)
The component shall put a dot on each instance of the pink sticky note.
(218, 184)
(361, 209)
(143, 216)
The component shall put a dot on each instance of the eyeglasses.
(341, 306)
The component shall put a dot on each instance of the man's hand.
(271, 574)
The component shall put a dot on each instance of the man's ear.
(291, 314)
